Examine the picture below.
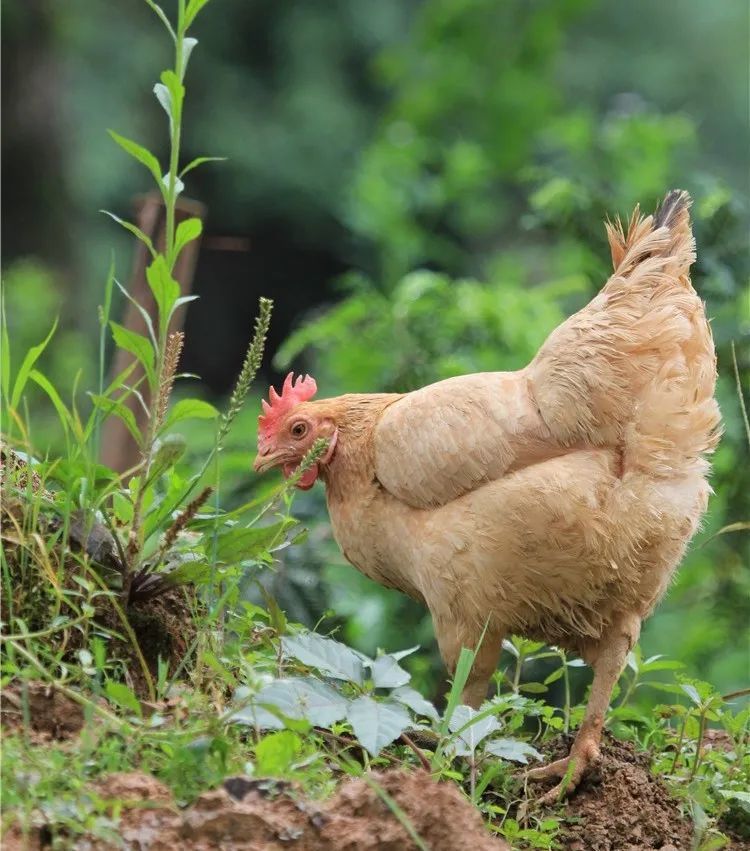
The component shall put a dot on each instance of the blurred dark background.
(420, 187)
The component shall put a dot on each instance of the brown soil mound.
(621, 806)
(266, 815)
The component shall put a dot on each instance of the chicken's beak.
(265, 461)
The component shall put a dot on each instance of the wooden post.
(119, 450)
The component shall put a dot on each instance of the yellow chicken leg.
(608, 663)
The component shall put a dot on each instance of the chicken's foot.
(608, 660)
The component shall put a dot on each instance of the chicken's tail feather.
(666, 235)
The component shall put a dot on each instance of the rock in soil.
(265, 815)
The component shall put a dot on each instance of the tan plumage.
(555, 501)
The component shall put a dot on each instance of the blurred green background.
(420, 186)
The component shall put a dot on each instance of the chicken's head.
(288, 427)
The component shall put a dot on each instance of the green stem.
(701, 731)
(678, 750)
(176, 129)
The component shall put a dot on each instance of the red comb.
(292, 393)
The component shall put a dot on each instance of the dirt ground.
(263, 815)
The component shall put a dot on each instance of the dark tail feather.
(667, 212)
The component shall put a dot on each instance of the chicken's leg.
(608, 663)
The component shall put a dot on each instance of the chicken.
(554, 502)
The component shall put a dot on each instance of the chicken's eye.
(299, 429)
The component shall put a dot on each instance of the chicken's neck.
(352, 467)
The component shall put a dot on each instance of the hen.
(554, 502)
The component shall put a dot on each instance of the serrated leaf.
(376, 724)
(413, 699)
(304, 698)
(387, 673)
(138, 152)
(167, 452)
(187, 231)
(512, 749)
(190, 409)
(199, 161)
(692, 692)
(136, 344)
(131, 228)
(121, 695)
(240, 543)
(329, 656)
(471, 729)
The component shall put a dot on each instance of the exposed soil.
(264, 815)
(51, 714)
(621, 806)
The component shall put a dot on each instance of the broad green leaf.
(471, 727)
(136, 344)
(190, 409)
(329, 656)
(533, 688)
(193, 7)
(120, 694)
(692, 692)
(554, 676)
(113, 406)
(413, 699)
(376, 724)
(175, 89)
(276, 754)
(199, 161)
(187, 231)
(304, 698)
(136, 231)
(62, 412)
(512, 749)
(387, 673)
(165, 289)
(241, 543)
(138, 152)
(27, 365)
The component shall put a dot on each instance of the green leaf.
(187, 231)
(190, 409)
(113, 406)
(136, 231)
(120, 694)
(512, 749)
(329, 656)
(533, 688)
(138, 152)
(304, 698)
(4, 353)
(413, 699)
(26, 366)
(162, 17)
(275, 754)
(554, 676)
(376, 724)
(463, 669)
(240, 543)
(175, 91)
(199, 161)
(138, 345)
(471, 727)
(387, 673)
(62, 412)
(165, 289)
(165, 99)
(167, 452)
(193, 7)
